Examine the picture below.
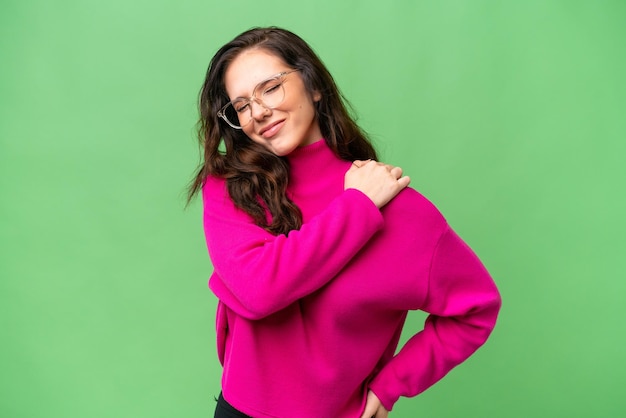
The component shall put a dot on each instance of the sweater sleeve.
(257, 273)
(463, 303)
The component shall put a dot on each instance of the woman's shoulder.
(213, 183)
(214, 188)
(412, 206)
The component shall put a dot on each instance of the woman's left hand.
(373, 407)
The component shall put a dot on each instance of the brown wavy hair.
(255, 177)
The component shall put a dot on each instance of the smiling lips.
(272, 129)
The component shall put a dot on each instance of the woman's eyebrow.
(259, 85)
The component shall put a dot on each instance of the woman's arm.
(463, 303)
(257, 273)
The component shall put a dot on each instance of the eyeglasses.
(238, 113)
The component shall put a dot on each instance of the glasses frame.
(221, 113)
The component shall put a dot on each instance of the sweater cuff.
(384, 392)
(366, 202)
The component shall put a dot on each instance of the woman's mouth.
(272, 129)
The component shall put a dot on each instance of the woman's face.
(292, 123)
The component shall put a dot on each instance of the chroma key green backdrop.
(509, 115)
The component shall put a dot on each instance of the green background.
(509, 115)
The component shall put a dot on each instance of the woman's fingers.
(373, 407)
(396, 171)
(360, 163)
(379, 181)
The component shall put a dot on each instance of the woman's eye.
(240, 107)
(271, 89)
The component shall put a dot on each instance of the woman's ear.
(317, 96)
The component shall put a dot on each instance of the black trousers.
(226, 410)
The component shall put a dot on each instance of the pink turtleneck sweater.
(308, 322)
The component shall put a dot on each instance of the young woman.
(318, 250)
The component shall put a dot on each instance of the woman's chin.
(281, 151)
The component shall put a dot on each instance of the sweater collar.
(308, 162)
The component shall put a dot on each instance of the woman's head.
(250, 159)
(270, 102)
(294, 53)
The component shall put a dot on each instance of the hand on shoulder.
(378, 181)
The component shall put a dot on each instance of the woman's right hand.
(380, 182)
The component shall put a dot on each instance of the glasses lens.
(273, 93)
(231, 115)
(239, 112)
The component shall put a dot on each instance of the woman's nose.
(258, 109)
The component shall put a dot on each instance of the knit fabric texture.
(308, 322)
